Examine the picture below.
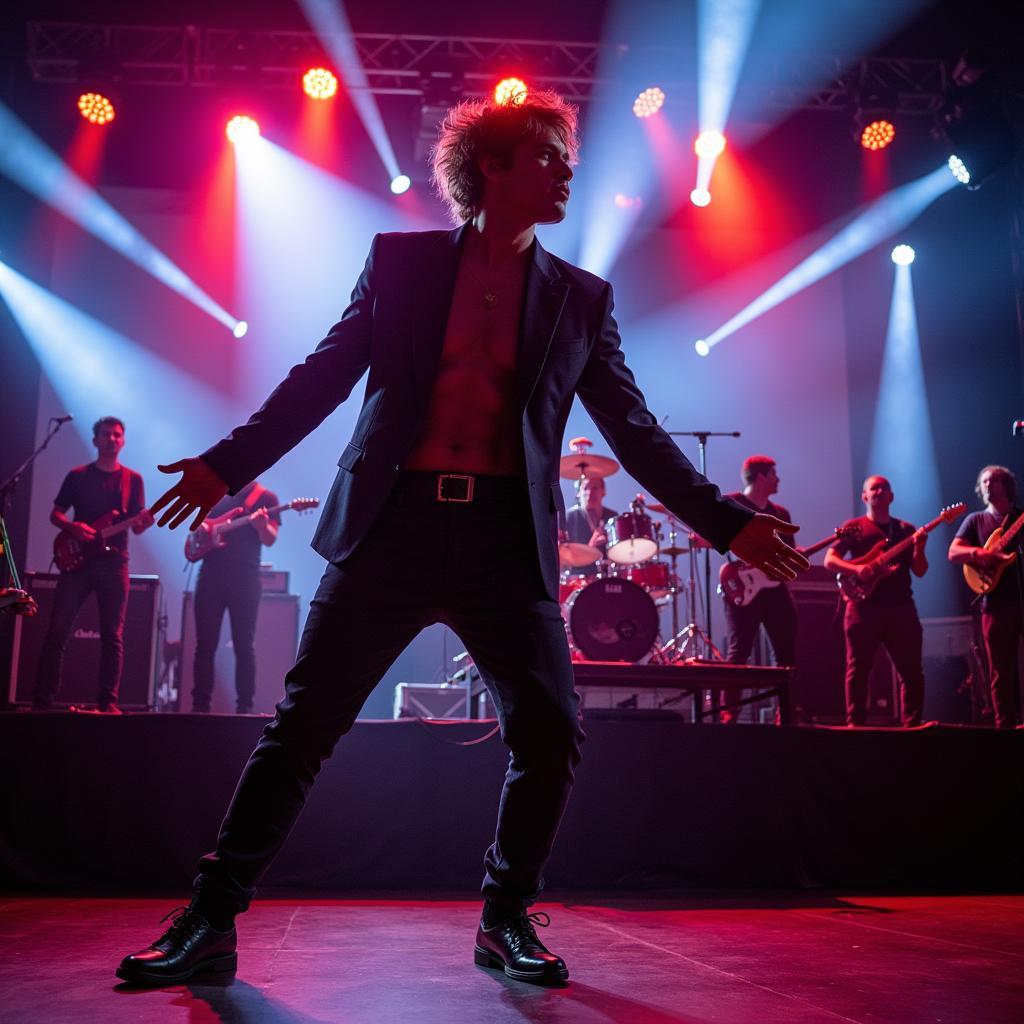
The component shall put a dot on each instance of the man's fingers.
(783, 527)
(164, 499)
(173, 467)
(183, 514)
(198, 521)
(175, 509)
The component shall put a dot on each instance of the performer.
(585, 521)
(476, 341)
(93, 490)
(888, 615)
(773, 606)
(1002, 609)
(229, 579)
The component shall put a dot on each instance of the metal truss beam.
(428, 66)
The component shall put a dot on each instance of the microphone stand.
(7, 489)
(702, 448)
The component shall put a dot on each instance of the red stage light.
(709, 144)
(510, 92)
(649, 102)
(877, 135)
(95, 108)
(319, 83)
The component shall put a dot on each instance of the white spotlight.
(702, 347)
(700, 197)
(400, 183)
(959, 169)
(239, 329)
(903, 255)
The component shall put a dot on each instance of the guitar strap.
(126, 486)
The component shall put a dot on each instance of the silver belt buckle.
(468, 480)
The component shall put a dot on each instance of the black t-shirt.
(579, 531)
(93, 492)
(976, 530)
(892, 588)
(242, 545)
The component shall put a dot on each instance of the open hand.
(758, 544)
(198, 491)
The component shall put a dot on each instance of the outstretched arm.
(760, 545)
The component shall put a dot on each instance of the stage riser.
(129, 804)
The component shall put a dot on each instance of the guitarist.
(888, 615)
(229, 580)
(773, 607)
(1001, 608)
(93, 490)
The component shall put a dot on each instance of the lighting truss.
(407, 64)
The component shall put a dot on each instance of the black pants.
(1001, 627)
(107, 577)
(473, 567)
(774, 609)
(898, 628)
(235, 590)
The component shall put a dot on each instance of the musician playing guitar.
(229, 580)
(773, 606)
(94, 491)
(887, 615)
(1002, 605)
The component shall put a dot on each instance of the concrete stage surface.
(658, 959)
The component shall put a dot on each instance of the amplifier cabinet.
(82, 655)
(277, 638)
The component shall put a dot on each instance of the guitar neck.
(126, 524)
(815, 548)
(897, 549)
(1007, 538)
(234, 524)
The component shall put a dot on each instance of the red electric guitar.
(199, 543)
(70, 553)
(740, 583)
(880, 559)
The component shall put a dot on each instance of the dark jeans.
(473, 567)
(107, 577)
(898, 628)
(235, 590)
(773, 608)
(1001, 627)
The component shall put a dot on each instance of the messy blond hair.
(474, 129)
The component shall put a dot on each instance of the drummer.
(585, 521)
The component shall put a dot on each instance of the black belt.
(461, 488)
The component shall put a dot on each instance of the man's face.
(109, 440)
(592, 494)
(536, 185)
(993, 488)
(877, 494)
(772, 480)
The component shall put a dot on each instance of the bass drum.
(612, 620)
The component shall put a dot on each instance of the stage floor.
(650, 960)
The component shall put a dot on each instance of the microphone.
(62, 419)
(1017, 427)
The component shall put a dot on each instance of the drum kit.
(611, 609)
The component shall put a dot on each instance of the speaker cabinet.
(818, 693)
(277, 637)
(82, 655)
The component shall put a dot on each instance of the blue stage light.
(903, 255)
(700, 197)
(400, 183)
(702, 347)
(959, 169)
(240, 329)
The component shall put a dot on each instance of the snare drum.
(654, 576)
(612, 620)
(632, 538)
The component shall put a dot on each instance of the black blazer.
(394, 326)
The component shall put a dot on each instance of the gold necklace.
(490, 297)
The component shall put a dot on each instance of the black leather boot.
(511, 943)
(190, 946)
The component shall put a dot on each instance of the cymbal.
(572, 467)
(673, 551)
(571, 554)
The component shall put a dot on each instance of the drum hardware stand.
(702, 446)
(690, 641)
